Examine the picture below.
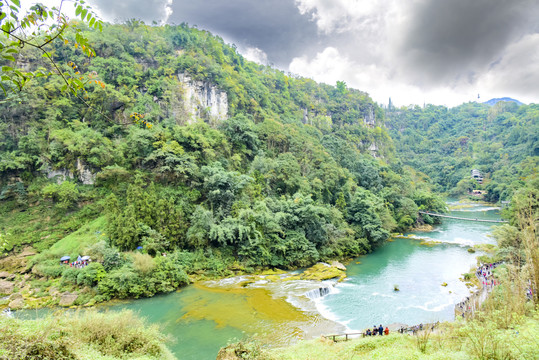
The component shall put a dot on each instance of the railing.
(411, 329)
(461, 218)
(346, 336)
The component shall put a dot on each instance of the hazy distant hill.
(493, 102)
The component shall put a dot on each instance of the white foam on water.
(481, 209)
(226, 281)
(382, 295)
(463, 241)
(325, 312)
(426, 307)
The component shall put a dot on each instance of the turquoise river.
(202, 318)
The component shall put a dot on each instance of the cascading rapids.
(317, 293)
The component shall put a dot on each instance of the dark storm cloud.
(276, 26)
(455, 40)
(121, 10)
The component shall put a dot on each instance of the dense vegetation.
(506, 327)
(288, 179)
(285, 181)
(502, 141)
(90, 335)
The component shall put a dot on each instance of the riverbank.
(18, 291)
(458, 341)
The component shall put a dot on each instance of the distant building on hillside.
(477, 176)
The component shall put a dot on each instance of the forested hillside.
(502, 141)
(295, 172)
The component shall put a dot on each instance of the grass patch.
(40, 224)
(87, 335)
(76, 242)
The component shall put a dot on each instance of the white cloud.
(341, 15)
(255, 54)
(429, 51)
(168, 10)
(330, 66)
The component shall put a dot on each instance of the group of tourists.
(484, 274)
(80, 263)
(486, 279)
(529, 291)
(414, 329)
(377, 331)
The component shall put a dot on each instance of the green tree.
(20, 31)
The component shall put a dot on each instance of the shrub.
(69, 275)
(91, 274)
(121, 283)
(65, 195)
(49, 268)
(89, 335)
(143, 263)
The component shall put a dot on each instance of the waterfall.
(317, 293)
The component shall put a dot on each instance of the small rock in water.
(338, 265)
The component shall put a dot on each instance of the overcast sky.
(415, 51)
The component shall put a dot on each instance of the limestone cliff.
(82, 173)
(203, 100)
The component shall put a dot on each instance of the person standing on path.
(381, 330)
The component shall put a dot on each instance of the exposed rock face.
(374, 150)
(306, 117)
(17, 263)
(67, 299)
(203, 100)
(59, 175)
(83, 174)
(53, 291)
(6, 287)
(369, 118)
(16, 301)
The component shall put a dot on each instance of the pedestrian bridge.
(461, 218)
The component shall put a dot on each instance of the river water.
(202, 318)
(367, 297)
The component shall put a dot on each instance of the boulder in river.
(338, 265)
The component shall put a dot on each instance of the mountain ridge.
(494, 101)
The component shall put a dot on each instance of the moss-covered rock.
(321, 271)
